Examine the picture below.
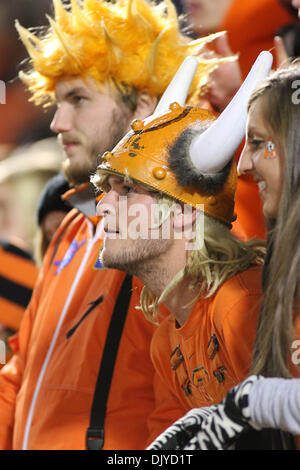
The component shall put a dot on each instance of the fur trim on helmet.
(185, 171)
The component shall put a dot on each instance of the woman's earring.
(270, 150)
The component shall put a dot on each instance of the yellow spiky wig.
(128, 43)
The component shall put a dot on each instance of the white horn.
(179, 86)
(212, 150)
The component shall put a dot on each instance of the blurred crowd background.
(28, 151)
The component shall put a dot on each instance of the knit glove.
(211, 428)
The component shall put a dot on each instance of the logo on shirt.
(98, 264)
(70, 253)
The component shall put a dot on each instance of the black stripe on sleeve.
(14, 292)
(15, 250)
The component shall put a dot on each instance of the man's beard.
(77, 174)
(137, 261)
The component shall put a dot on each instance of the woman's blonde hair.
(280, 104)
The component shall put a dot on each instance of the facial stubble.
(140, 259)
(79, 173)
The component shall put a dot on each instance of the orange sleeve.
(10, 378)
(167, 410)
(18, 274)
(10, 382)
(239, 331)
(11, 373)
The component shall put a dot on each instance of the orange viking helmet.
(185, 152)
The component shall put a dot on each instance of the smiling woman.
(263, 157)
(278, 170)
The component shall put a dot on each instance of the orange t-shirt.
(200, 361)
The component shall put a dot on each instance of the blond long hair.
(280, 104)
(220, 257)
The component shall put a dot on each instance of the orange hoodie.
(46, 390)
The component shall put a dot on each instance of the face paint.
(270, 149)
(263, 157)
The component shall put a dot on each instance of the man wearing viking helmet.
(181, 157)
(103, 64)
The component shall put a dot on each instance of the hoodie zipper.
(90, 245)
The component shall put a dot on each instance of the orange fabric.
(11, 314)
(250, 221)
(17, 272)
(296, 371)
(76, 190)
(231, 315)
(20, 270)
(62, 407)
(251, 27)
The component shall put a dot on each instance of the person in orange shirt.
(251, 27)
(269, 398)
(176, 169)
(102, 64)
